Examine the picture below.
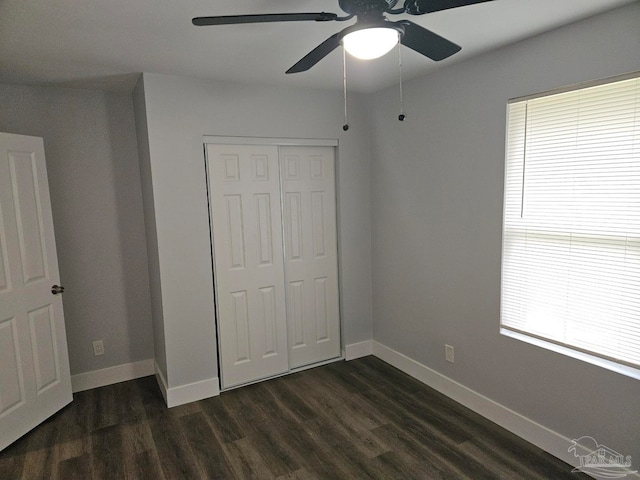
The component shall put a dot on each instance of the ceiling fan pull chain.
(345, 127)
(401, 117)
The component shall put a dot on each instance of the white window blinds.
(571, 239)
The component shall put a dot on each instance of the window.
(571, 237)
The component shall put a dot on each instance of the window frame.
(574, 352)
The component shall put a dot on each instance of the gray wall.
(179, 111)
(94, 181)
(437, 192)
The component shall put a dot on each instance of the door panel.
(311, 259)
(23, 177)
(34, 368)
(43, 337)
(12, 392)
(248, 264)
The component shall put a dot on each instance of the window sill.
(585, 357)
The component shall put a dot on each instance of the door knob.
(56, 289)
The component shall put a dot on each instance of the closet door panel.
(246, 225)
(311, 261)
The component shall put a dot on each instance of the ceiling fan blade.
(317, 54)
(420, 7)
(268, 17)
(426, 42)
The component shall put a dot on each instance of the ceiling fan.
(371, 23)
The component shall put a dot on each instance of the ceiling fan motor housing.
(366, 7)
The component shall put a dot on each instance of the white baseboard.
(191, 392)
(357, 350)
(539, 435)
(111, 375)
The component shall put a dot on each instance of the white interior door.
(244, 196)
(311, 258)
(34, 366)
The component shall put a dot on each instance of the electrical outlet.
(98, 348)
(448, 353)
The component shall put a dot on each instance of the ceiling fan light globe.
(370, 43)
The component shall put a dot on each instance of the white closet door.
(311, 260)
(248, 264)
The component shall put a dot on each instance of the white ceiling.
(104, 44)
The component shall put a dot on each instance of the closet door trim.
(279, 142)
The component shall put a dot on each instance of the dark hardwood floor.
(357, 420)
